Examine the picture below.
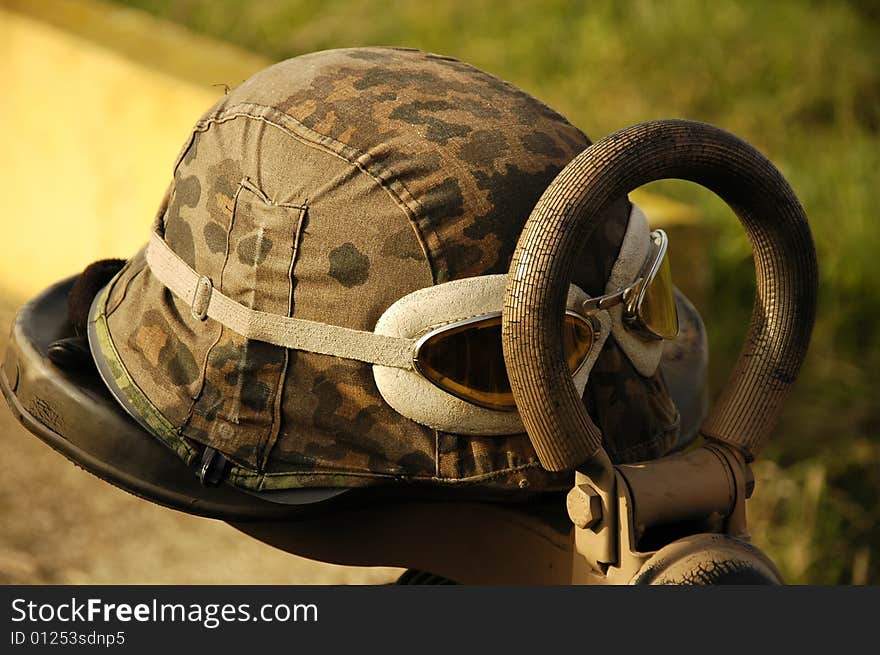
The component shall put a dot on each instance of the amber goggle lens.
(657, 310)
(467, 360)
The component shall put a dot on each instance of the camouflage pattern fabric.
(326, 187)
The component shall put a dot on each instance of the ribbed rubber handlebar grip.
(566, 215)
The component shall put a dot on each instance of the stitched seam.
(277, 417)
(362, 161)
(219, 336)
(239, 472)
(125, 289)
(264, 435)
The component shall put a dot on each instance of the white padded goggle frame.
(417, 313)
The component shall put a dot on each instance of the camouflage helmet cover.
(326, 187)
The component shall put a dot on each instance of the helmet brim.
(77, 414)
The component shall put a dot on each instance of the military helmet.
(325, 216)
(354, 246)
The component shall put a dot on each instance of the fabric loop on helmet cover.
(287, 332)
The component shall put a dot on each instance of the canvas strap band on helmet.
(209, 302)
(613, 507)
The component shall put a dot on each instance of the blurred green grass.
(798, 79)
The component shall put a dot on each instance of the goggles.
(436, 353)
(465, 358)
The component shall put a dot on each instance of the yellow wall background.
(92, 121)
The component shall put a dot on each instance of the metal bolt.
(584, 506)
